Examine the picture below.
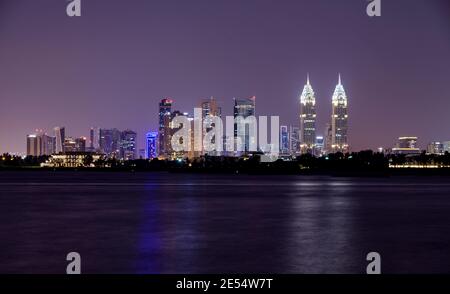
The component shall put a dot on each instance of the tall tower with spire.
(339, 119)
(307, 118)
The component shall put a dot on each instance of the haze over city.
(110, 67)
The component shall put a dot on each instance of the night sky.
(111, 66)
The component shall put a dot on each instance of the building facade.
(307, 119)
(406, 145)
(210, 108)
(128, 145)
(436, 148)
(165, 114)
(284, 140)
(339, 119)
(294, 140)
(109, 141)
(151, 145)
(244, 108)
(60, 135)
(40, 144)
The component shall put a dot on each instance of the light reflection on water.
(170, 223)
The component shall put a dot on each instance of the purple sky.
(111, 66)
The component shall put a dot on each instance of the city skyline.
(75, 72)
(121, 145)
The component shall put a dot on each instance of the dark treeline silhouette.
(363, 162)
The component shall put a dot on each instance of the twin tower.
(336, 131)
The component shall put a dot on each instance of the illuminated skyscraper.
(339, 119)
(33, 145)
(93, 140)
(294, 140)
(70, 145)
(110, 142)
(128, 145)
(80, 144)
(244, 108)
(48, 144)
(210, 108)
(40, 144)
(151, 145)
(284, 140)
(60, 134)
(165, 111)
(307, 119)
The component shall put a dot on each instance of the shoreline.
(391, 172)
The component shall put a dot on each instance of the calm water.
(173, 223)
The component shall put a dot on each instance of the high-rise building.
(93, 139)
(40, 144)
(110, 142)
(328, 139)
(211, 108)
(33, 145)
(165, 111)
(339, 119)
(151, 145)
(70, 145)
(244, 108)
(307, 119)
(171, 130)
(435, 148)
(294, 140)
(128, 145)
(80, 144)
(60, 135)
(284, 140)
(48, 144)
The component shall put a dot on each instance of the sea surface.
(189, 223)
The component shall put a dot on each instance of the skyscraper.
(40, 144)
(110, 142)
(307, 119)
(128, 145)
(328, 140)
(244, 108)
(70, 145)
(60, 135)
(284, 140)
(294, 140)
(151, 145)
(48, 144)
(33, 145)
(165, 110)
(435, 148)
(211, 108)
(80, 144)
(93, 139)
(170, 131)
(339, 119)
